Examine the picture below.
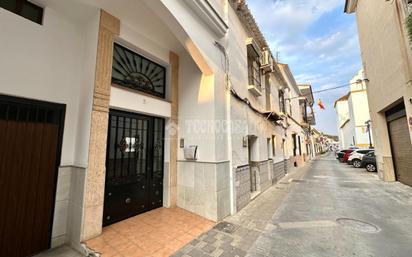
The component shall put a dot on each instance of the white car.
(355, 158)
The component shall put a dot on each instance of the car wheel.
(370, 167)
(357, 163)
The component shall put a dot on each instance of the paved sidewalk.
(237, 234)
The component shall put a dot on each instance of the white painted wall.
(381, 30)
(53, 62)
(254, 124)
(359, 112)
(133, 101)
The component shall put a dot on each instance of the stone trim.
(109, 29)
(174, 87)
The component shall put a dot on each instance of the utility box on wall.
(190, 152)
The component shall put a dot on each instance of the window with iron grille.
(136, 72)
(254, 67)
(24, 9)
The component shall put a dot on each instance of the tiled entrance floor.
(160, 232)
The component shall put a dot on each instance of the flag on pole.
(321, 106)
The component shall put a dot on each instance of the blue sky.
(318, 41)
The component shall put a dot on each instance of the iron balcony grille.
(136, 72)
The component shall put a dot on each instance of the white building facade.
(387, 59)
(132, 106)
(353, 117)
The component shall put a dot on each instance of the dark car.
(369, 162)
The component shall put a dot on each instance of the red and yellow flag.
(320, 104)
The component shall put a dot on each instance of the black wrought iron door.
(134, 165)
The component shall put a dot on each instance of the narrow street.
(325, 209)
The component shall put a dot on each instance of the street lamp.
(368, 125)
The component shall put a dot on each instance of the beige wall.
(386, 60)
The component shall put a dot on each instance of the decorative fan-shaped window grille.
(134, 71)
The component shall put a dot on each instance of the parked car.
(341, 154)
(346, 155)
(369, 162)
(355, 158)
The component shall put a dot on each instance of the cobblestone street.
(328, 209)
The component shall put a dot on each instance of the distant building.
(387, 61)
(353, 115)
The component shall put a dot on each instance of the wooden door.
(30, 139)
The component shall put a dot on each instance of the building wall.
(59, 66)
(389, 72)
(55, 62)
(345, 124)
(246, 122)
(360, 112)
(359, 109)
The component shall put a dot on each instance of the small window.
(274, 145)
(25, 9)
(282, 101)
(269, 146)
(294, 138)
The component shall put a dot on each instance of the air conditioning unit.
(266, 61)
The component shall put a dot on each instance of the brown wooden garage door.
(401, 146)
(30, 139)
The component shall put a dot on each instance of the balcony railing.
(254, 86)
